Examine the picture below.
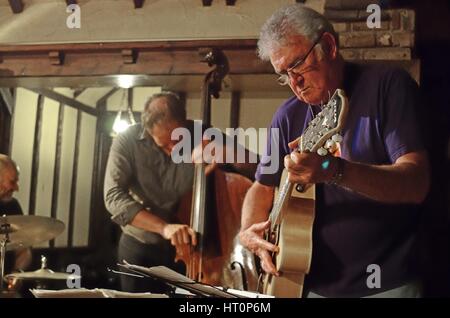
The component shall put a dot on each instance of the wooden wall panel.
(5, 127)
(45, 173)
(65, 181)
(22, 142)
(84, 180)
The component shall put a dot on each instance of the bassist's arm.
(178, 234)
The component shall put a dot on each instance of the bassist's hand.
(179, 234)
(252, 238)
(198, 156)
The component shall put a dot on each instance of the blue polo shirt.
(351, 231)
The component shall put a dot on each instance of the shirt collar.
(144, 136)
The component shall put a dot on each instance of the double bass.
(215, 210)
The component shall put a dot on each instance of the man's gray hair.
(5, 163)
(288, 21)
(175, 110)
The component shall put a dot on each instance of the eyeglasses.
(283, 79)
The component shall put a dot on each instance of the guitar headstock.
(326, 124)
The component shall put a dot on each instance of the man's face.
(8, 183)
(161, 134)
(310, 81)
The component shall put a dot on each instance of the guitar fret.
(275, 214)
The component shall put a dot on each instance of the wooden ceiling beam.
(60, 98)
(155, 58)
(151, 63)
(118, 46)
(56, 57)
(78, 91)
(16, 6)
(103, 99)
(129, 56)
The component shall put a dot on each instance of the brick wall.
(394, 40)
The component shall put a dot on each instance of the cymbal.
(43, 274)
(28, 230)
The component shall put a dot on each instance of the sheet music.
(237, 292)
(175, 279)
(90, 293)
(163, 273)
(247, 294)
(67, 293)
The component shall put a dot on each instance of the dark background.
(433, 49)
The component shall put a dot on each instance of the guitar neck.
(283, 196)
(321, 129)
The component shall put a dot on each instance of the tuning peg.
(322, 151)
(330, 144)
(337, 138)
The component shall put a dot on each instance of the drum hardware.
(43, 273)
(20, 231)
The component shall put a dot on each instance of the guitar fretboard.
(275, 214)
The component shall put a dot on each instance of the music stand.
(174, 279)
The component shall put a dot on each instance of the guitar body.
(294, 239)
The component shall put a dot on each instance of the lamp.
(121, 123)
